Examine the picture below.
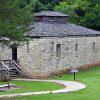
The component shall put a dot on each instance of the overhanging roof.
(51, 13)
(52, 29)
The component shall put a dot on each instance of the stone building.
(56, 45)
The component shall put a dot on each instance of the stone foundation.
(55, 73)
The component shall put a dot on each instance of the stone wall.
(42, 57)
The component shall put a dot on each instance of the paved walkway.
(69, 86)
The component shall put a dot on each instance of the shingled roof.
(52, 29)
(50, 13)
(58, 29)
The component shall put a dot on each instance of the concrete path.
(68, 87)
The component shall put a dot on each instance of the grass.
(26, 86)
(91, 78)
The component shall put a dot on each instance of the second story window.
(58, 50)
(39, 18)
(51, 18)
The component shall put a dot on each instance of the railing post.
(11, 63)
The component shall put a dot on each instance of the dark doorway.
(14, 53)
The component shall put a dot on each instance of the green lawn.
(27, 86)
(91, 78)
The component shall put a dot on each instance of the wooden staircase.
(9, 69)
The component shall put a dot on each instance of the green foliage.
(86, 12)
(40, 5)
(36, 5)
(49, 1)
(15, 20)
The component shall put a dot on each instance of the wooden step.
(12, 71)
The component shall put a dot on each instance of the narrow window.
(52, 47)
(39, 18)
(27, 46)
(58, 50)
(51, 18)
(93, 46)
(76, 47)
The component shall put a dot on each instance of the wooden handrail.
(15, 65)
(4, 67)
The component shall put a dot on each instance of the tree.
(49, 4)
(40, 5)
(82, 12)
(15, 19)
(36, 5)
